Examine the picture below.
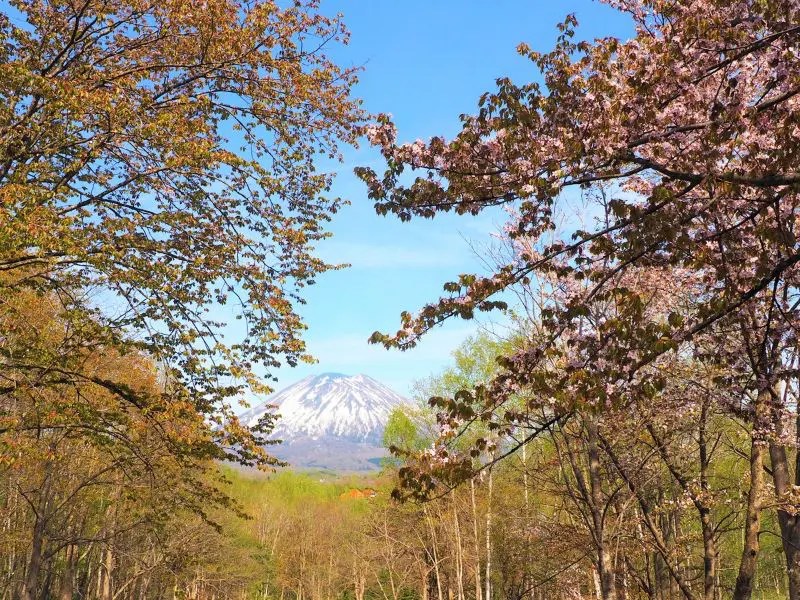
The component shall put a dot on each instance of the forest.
(625, 422)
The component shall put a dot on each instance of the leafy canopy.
(686, 134)
(686, 137)
(157, 158)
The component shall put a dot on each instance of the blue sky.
(425, 63)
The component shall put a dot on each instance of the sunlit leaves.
(163, 158)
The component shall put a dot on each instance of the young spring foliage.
(159, 157)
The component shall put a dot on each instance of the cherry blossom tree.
(688, 135)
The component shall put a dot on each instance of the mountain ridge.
(330, 420)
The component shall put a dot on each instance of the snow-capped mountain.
(330, 420)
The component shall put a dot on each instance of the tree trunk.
(67, 589)
(747, 565)
(477, 541)
(525, 479)
(788, 522)
(488, 576)
(459, 552)
(598, 591)
(360, 587)
(605, 564)
(107, 569)
(527, 576)
(709, 555)
(435, 554)
(30, 583)
(710, 552)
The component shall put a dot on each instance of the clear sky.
(425, 62)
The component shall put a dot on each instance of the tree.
(156, 158)
(97, 473)
(694, 119)
(686, 135)
(688, 132)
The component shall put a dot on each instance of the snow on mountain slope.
(331, 405)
